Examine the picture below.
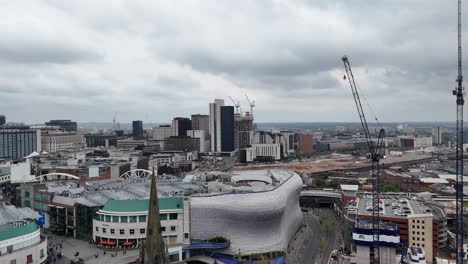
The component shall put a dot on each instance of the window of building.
(163, 216)
(123, 219)
(422, 239)
(417, 221)
(132, 231)
(29, 259)
(172, 239)
(413, 221)
(115, 219)
(174, 257)
(422, 221)
(163, 229)
(173, 216)
(186, 235)
(417, 232)
(413, 232)
(108, 218)
(142, 231)
(418, 238)
(417, 244)
(97, 228)
(104, 230)
(122, 231)
(172, 228)
(414, 226)
(133, 219)
(142, 218)
(414, 238)
(42, 253)
(112, 231)
(422, 233)
(422, 245)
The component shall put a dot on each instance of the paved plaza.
(70, 246)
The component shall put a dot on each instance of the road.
(311, 247)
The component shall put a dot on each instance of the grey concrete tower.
(153, 250)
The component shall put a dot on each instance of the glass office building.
(18, 142)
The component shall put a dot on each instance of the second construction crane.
(376, 153)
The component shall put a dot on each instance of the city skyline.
(154, 61)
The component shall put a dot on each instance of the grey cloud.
(82, 58)
(45, 53)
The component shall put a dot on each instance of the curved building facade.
(21, 240)
(123, 223)
(252, 222)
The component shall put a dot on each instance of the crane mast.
(252, 105)
(458, 92)
(375, 150)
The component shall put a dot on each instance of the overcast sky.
(154, 60)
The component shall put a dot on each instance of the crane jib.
(376, 151)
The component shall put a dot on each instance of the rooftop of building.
(167, 203)
(395, 206)
(349, 187)
(12, 230)
(99, 192)
(10, 214)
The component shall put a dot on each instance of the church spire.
(153, 249)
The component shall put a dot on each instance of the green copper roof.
(167, 203)
(17, 231)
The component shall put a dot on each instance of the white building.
(21, 171)
(124, 222)
(215, 125)
(204, 139)
(161, 132)
(254, 223)
(20, 237)
(55, 141)
(422, 142)
(263, 151)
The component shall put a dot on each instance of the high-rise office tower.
(137, 128)
(437, 135)
(215, 125)
(243, 130)
(2, 120)
(18, 142)
(227, 128)
(66, 125)
(201, 122)
(180, 125)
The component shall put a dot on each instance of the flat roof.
(167, 203)
(416, 207)
(434, 180)
(451, 177)
(349, 187)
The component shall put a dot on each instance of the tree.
(391, 187)
(322, 244)
(320, 182)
